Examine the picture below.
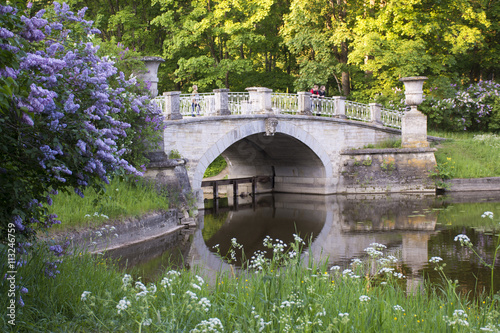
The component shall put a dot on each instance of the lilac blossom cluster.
(74, 118)
(475, 107)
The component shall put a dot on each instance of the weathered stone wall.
(171, 175)
(387, 170)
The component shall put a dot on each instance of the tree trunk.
(346, 83)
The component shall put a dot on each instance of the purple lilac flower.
(18, 222)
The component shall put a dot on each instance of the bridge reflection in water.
(339, 228)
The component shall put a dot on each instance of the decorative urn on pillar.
(151, 75)
(414, 122)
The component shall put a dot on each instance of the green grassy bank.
(468, 155)
(278, 295)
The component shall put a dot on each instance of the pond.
(338, 228)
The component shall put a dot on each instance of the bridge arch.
(246, 144)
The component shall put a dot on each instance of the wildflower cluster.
(459, 318)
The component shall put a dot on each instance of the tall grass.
(121, 199)
(470, 155)
(284, 294)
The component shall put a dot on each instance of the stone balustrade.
(260, 100)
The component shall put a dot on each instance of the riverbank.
(282, 294)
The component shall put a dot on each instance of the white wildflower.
(123, 304)
(211, 325)
(127, 278)
(205, 304)
(235, 244)
(435, 260)
(398, 308)
(458, 318)
(200, 279)
(463, 239)
(364, 298)
(356, 262)
(84, 295)
(192, 295)
(488, 215)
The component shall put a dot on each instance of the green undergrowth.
(282, 294)
(391, 143)
(122, 199)
(215, 167)
(468, 155)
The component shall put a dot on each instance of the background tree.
(318, 33)
(398, 38)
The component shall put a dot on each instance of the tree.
(210, 40)
(318, 33)
(67, 117)
(399, 38)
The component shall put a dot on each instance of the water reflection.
(413, 227)
(343, 226)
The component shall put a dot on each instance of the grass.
(391, 143)
(121, 199)
(469, 155)
(284, 294)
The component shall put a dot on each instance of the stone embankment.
(472, 184)
(129, 232)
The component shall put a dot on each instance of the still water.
(338, 229)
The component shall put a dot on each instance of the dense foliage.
(68, 119)
(356, 48)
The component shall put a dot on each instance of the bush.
(472, 108)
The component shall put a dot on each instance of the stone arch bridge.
(311, 147)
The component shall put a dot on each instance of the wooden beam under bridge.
(235, 181)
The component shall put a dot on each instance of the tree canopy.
(357, 48)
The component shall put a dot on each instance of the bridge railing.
(357, 111)
(391, 118)
(281, 103)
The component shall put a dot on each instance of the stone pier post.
(414, 122)
(340, 106)
(304, 103)
(221, 102)
(172, 105)
(414, 130)
(260, 100)
(376, 113)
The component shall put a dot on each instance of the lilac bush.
(68, 119)
(475, 107)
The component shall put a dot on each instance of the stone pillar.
(151, 75)
(304, 103)
(221, 102)
(414, 130)
(414, 122)
(376, 113)
(339, 106)
(172, 105)
(260, 100)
